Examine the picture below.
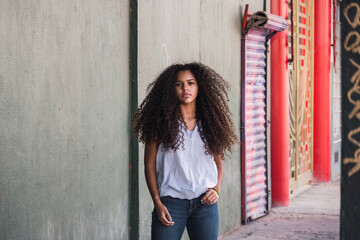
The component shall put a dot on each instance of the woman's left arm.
(212, 195)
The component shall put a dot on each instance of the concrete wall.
(335, 92)
(181, 31)
(65, 103)
(64, 117)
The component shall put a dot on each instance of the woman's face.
(186, 87)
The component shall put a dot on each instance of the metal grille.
(254, 150)
(305, 107)
(292, 93)
(301, 95)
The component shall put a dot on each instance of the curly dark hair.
(157, 118)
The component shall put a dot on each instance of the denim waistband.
(192, 203)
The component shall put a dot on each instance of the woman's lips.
(187, 95)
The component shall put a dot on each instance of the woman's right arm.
(151, 180)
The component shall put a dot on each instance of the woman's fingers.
(165, 217)
(169, 219)
(210, 197)
(212, 200)
(166, 220)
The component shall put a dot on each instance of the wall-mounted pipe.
(279, 111)
(322, 131)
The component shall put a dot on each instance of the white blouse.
(185, 173)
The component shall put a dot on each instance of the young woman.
(186, 126)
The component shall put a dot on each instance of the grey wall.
(65, 103)
(335, 93)
(64, 117)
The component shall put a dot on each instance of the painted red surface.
(322, 136)
(279, 112)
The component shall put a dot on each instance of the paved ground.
(314, 213)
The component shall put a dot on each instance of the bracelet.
(217, 191)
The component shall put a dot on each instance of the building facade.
(72, 74)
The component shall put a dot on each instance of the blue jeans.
(201, 220)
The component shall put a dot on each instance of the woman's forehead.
(185, 76)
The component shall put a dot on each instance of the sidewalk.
(314, 213)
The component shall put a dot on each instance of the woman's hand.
(210, 197)
(164, 215)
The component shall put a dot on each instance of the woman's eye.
(191, 83)
(177, 84)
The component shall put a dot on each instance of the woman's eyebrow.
(187, 80)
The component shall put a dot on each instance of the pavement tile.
(312, 214)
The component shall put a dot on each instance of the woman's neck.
(188, 111)
(189, 115)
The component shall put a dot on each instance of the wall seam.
(134, 145)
